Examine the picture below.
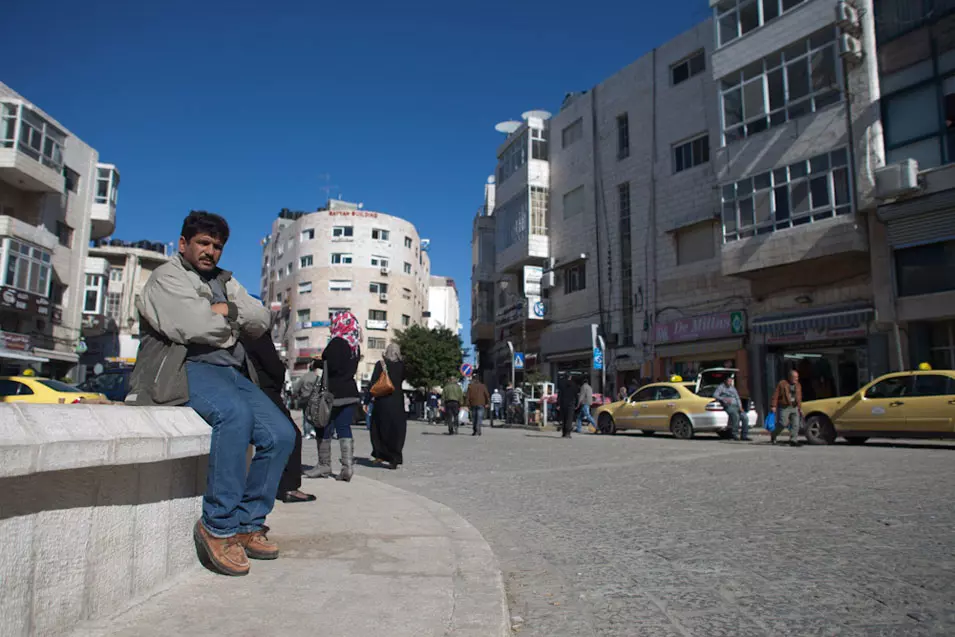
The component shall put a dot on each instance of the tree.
(431, 356)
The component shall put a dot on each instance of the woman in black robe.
(389, 422)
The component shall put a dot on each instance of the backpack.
(318, 409)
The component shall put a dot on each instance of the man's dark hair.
(315, 365)
(202, 222)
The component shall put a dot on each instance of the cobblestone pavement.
(630, 536)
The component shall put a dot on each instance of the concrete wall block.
(110, 554)
(192, 435)
(69, 436)
(18, 451)
(16, 570)
(60, 540)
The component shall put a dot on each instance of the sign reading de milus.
(725, 324)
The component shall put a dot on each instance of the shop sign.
(598, 358)
(532, 280)
(697, 328)
(352, 213)
(304, 325)
(12, 340)
(20, 301)
(510, 314)
(812, 335)
(308, 352)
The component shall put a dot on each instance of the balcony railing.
(23, 129)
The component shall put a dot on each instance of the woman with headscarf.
(389, 422)
(340, 359)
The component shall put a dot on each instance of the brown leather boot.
(258, 546)
(224, 554)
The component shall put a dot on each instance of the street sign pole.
(510, 346)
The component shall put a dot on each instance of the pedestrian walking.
(433, 405)
(453, 396)
(340, 360)
(271, 374)
(478, 400)
(302, 389)
(584, 401)
(389, 423)
(566, 400)
(497, 400)
(727, 395)
(787, 398)
(192, 315)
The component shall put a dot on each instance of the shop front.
(571, 351)
(932, 342)
(16, 354)
(687, 345)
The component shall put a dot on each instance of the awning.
(22, 356)
(699, 348)
(68, 357)
(833, 318)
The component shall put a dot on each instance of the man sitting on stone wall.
(191, 315)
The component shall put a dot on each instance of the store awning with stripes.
(823, 319)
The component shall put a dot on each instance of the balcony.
(103, 212)
(31, 150)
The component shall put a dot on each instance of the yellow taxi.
(33, 389)
(682, 408)
(914, 404)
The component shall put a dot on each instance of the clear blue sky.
(239, 107)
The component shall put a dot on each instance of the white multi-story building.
(343, 257)
(444, 308)
(55, 196)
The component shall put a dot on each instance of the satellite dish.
(491, 180)
(537, 114)
(507, 127)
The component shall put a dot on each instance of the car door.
(12, 391)
(641, 418)
(660, 410)
(931, 409)
(879, 407)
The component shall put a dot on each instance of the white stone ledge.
(39, 438)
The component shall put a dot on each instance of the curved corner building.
(342, 257)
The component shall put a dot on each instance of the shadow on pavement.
(886, 444)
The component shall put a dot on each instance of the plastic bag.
(770, 421)
(463, 417)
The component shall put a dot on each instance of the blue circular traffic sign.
(466, 369)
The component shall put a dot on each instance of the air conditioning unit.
(850, 48)
(385, 270)
(897, 180)
(383, 296)
(847, 18)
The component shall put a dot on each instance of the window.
(408, 242)
(64, 234)
(379, 262)
(667, 393)
(942, 345)
(695, 243)
(623, 136)
(113, 302)
(107, 185)
(303, 316)
(513, 157)
(379, 234)
(806, 191)
(691, 153)
(802, 78)
(626, 262)
(406, 293)
(339, 285)
(539, 144)
(645, 395)
(116, 273)
(925, 269)
(301, 341)
(288, 268)
(405, 320)
(575, 278)
(735, 18)
(685, 69)
(512, 217)
(332, 311)
(894, 387)
(339, 258)
(377, 315)
(343, 231)
(39, 139)
(304, 262)
(71, 179)
(308, 235)
(934, 385)
(574, 202)
(378, 288)
(92, 303)
(13, 388)
(304, 287)
(407, 268)
(540, 200)
(375, 342)
(27, 268)
(572, 133)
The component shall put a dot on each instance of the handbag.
(318, 410)
(383, 386)
(770, 421)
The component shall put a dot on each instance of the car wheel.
(856, 440)
(681, 427)
(606, 425)
(819, 431)
(648, 432)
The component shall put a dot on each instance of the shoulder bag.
(383, 386)
(320, 402)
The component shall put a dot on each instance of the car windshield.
(56, 385)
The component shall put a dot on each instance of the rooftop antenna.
(328, 187)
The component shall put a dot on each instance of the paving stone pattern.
(630, 536)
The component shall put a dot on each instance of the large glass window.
(575, 278)
(687, 68)
(539, 207)
(513, 157)
(539, 144)
(339, 258)
(37, 138)
(806, 191)
(800, 79)
(93, 294)
(925, 269)
(380, 234)
(920, 122)
(27, 268)
(113, 301)
(343, 231)
(691, 153)
(735, 18)
(512, 220)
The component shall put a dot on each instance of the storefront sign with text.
(20, 301)
(726, 324)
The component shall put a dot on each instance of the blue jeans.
(238, 412)
(584, 413)
(341, 421)
(477, 416)
(371, 405)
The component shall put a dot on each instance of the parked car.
(682, 408)
(114, 383)
(915, 404)
(33, 389)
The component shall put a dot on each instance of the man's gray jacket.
(175, 311)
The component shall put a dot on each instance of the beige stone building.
(343, 257)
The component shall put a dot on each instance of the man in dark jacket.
(566, 399)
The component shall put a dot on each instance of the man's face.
(730, 381)
(794, 377)
(202, 251)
